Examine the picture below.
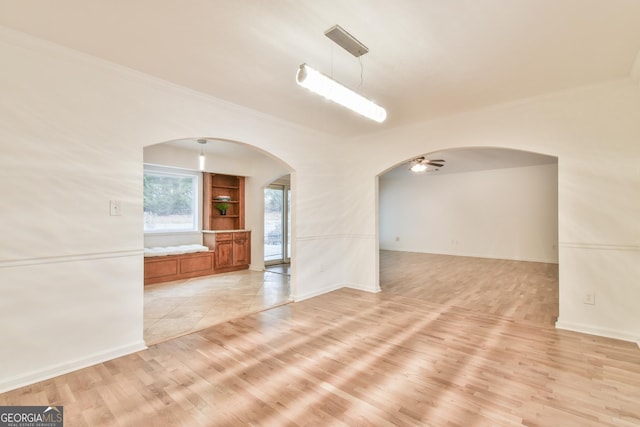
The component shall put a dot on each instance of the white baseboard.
(598, 331)
(317, 292)
(361, 287)
(29, 378)
(473, 255)
(332, 288)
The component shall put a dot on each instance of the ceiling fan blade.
(439, 161)
(438, 165)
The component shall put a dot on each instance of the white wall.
(72, 132)
(503, 213)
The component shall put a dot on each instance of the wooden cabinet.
(232, 251)
(228, 189)
(242, 248)
(224, 251)
(231, 243)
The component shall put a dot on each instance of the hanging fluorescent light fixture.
(201, 157)
(325, 86)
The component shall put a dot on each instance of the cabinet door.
(240, 250)
(224, 254)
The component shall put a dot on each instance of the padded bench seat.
(174, 250)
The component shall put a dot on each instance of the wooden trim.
(241, 203)
(175, 267)
(206, 201)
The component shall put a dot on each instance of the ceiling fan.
(420, 164)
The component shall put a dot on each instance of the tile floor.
(181, 307)
(280, 269)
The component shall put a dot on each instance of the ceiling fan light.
(418, 167)
(325, 86)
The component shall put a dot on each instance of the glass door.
(277, 221)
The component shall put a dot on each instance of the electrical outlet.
(397, 238)
(115, 207)
(589, 298)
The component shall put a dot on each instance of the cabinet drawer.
(220, 237)
(241, 236)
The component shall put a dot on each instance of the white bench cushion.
(174, 250)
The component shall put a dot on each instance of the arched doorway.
(478, 231)
(178, 307)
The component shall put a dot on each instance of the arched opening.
(478, 230)
(234, 283)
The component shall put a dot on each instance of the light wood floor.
(522, 291)
(177, 308)
(352, 358)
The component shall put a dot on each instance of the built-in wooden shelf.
(220, 185)
(231, 242)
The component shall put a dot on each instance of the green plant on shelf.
(222, 207)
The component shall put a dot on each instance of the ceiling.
(471, 159)
(221, 148)
(427, 58)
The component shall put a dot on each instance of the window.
(170, 201)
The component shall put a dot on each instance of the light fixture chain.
(331, 60)
(361, 75)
